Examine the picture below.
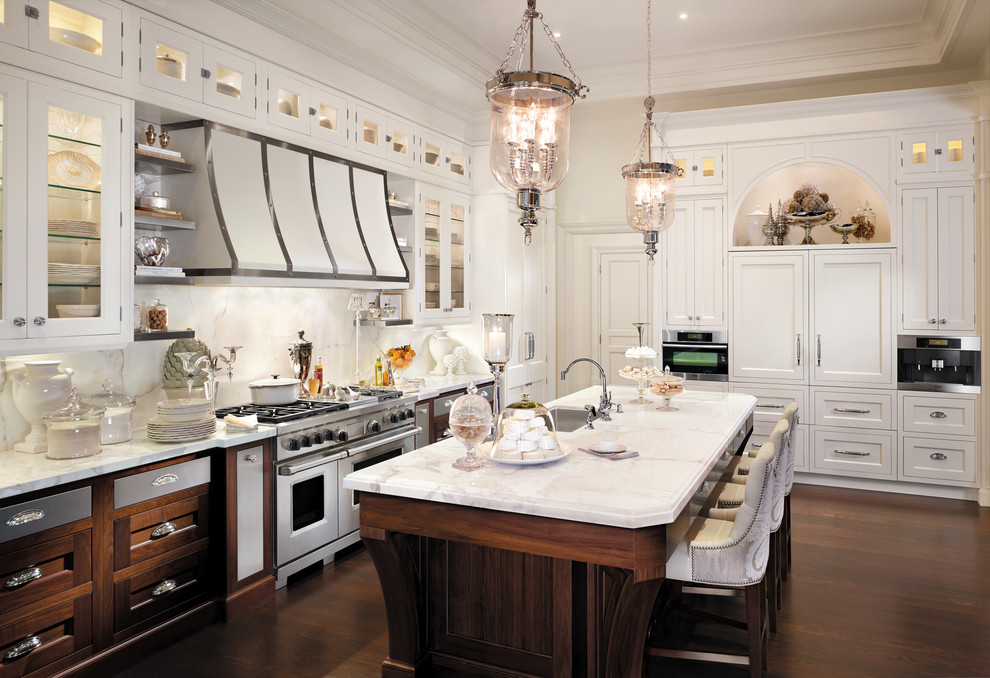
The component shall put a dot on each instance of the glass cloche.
(470, 420)
(525, 431)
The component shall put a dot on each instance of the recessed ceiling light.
(556, 35)
(682, 15)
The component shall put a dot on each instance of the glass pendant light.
(530, 122)
(649, 184)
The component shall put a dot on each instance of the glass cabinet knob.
(19, 322)
(39, 320)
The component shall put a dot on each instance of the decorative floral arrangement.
(809, 200)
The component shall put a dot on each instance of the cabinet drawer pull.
(28, 516)
(23, 577)
(447, 433)
(26, 646)
(852, 453)
(448, 403)
(165, 480)
(770, 407)
(938, 456)
(818, 349)
(166, 586)
(163, 530)
(938, 415)
(849, 410)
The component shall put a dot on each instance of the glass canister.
(115, 426)
(470, 420)
(526, 431)
(73, 430)
(157, 316)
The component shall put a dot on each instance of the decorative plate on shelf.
(484, 451)
(74, 39)
(68, 168)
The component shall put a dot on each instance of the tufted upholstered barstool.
(792, 416)
(733, 554)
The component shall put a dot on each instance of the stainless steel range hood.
(273, 213)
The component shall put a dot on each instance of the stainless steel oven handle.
(384, 441)
(293, 469)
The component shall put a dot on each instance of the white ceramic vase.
(439, 347)
(39, 389)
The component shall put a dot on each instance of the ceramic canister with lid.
(73, 430)
(116, 424)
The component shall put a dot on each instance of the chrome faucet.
(605, 404)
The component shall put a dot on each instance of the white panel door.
(709, 263)
(852, 326)
(678, 279)
(768, 335)
(623, 300)
(956, 265)
(919, 261)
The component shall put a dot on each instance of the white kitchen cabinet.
(401, 141)
(768, 333)
(706, 386)
(186, 64)
(854, 453)
(383, 136)
(329, 117)
(852, 318)
(700, 167)
(288, 101)
(694, 265)
(85, 33)
(761, 434)
(938, 415)
(937, 151)
(834, 313)
(938, 260)
(943, 461)
(855, 408)
(443, 157)
(65, 243)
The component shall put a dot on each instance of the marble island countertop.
(676, 451)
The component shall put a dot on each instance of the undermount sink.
(567, 419)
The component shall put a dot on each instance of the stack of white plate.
(73, 274)
(74, 227)
(181, 420)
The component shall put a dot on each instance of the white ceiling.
(450, 47)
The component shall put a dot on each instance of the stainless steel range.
(318, 443)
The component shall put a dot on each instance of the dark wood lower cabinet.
(50, 639)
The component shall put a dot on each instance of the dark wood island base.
(472, 591)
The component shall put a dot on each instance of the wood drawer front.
(938, 460)
(854, 453)
(855, 409)
(160, 482)
(62, 564)
(63, 629)
(34, 516)
(139, 598)
(921, 414)
(770, 402)
(151, 533)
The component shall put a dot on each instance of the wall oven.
(695, 354)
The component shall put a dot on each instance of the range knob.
(292, 444)
(317, 438)
(328, 436)
(306, 441)
(401, 416)
(341, 436)
(410, 413)
(374, 426)
(394, 418)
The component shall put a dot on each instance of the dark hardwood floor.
(882, 585)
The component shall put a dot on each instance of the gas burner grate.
(278, 414)
(381, 394)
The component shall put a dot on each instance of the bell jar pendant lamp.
(649, 184)
(530, 122)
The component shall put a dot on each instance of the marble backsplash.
(263, 320)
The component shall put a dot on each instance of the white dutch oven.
(274, 391)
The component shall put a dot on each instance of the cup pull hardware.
(163, 530)
(24, 647)
(849, 410)
(852, 453)
(938, 456)
(28, 516)
(165, 480)
(166, 586)
(23, 577)
(938, 415)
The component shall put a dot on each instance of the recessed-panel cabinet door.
(678, 259)
(400, 142)
(13, 208)
(709, 263)
(171, 61)
(331, 120)
(370, 131)
(956, 265)
(81, 32)
(919, 259)
(230, 81)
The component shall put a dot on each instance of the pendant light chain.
(649, 48)
(523, 34)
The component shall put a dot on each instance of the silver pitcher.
(301, 356)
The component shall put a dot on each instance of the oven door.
(305, 505)
(698, 361)
(382, 448)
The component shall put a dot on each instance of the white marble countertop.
(20, 472)
(434, 386)
(676, 451)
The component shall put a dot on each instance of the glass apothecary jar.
(73, 430)
(470, 421)
(157, 316)
(116, 424)
(525, 430)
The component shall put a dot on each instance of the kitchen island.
(547, 570)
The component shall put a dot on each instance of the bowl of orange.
(401, 358)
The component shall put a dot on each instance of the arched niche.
(847, 189)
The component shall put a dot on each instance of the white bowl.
(77, 310)
(74, 39)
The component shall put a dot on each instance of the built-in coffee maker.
(947, 364)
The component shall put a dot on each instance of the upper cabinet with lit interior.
(700, 167)
(937, 152)
(186, 64)
(295, 105)
(84, 33)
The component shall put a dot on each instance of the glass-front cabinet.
(443, 258)
(930, 151)
(85, 33)
(63, 275)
